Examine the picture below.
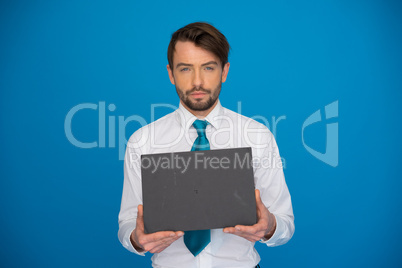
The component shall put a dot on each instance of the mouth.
(198, 94)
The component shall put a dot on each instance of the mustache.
(198, 89)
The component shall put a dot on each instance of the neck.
(200, 114)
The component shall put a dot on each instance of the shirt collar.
(186, 118)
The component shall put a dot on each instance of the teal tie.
(196, 241)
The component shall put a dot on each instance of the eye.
(184, 69)
(209, 68)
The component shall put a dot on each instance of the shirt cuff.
(280, 229)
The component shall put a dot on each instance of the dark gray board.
(216, 190)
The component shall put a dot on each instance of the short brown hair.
(203, 35)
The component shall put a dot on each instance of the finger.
(255, 230)
(258, 198)
(179, 233)
(160, 236)
(140, 210)
(140, 217)
(153, 246)
(262, 210)
(173, 236)
(230, 230)
(160, 248)
(257, 195)
(234, 230)
(160, 245)
(251, 233)
(249, 236)
(150, 247)
(252, 238)
(247, 229)
(259, 204)
(153, 240)
(140, 213)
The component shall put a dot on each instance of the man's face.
(197, 75)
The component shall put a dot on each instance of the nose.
(197, 79)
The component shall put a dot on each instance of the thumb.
(260, 205)
(257, 197)
(140, 213)
(140, 217)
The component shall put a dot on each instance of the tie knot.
(200, 126)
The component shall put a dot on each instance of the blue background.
(59, 203)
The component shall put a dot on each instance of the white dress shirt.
(227, 129)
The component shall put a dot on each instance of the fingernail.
(237, 228)
(173, 234)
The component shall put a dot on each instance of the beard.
(199, 105)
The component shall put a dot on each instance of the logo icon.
(330, 156)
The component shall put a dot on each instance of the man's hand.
(264, 228)
(155, 242)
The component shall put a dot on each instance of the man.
(198, 65)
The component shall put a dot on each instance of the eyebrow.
(188, 64)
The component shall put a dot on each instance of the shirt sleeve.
(270, 180)
(131, 197)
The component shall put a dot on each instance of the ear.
(225, 72)
(170, 72)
